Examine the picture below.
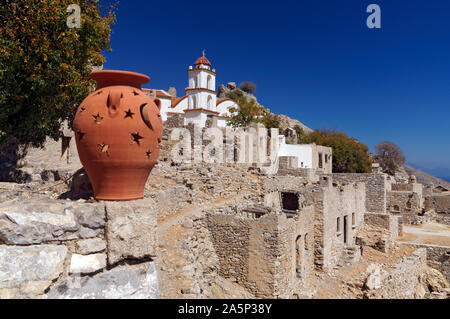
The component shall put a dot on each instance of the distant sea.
(440, 172)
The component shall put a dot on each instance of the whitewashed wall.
(304, 152)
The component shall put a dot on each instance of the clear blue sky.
(315, 61)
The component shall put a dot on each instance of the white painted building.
(200, 99)
(307, 155)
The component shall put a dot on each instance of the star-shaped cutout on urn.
(104, 148)
(129, 114)
(97, 118)
(148, 153)
(137, 138)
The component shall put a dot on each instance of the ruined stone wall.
(380, 231)
(197, 185)
(438, 257)
(308, 173)
(405, 203)
(333, 205)
(327, 163)
(341, 202)
(287, 162)
(376, 187)
(411, 187)
(398, 281)
(261, 254)
(175, 120)
(56, 160)
(441, 205)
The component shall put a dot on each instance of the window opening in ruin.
(298, 256)
(320, 160)
(338, 226)
(326, 158)
(306, 242)
(353, 219)
(396, 208)
(345, 229)
(408, 205)
(302, 164)
(289, 202)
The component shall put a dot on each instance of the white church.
(200, 100)
(200, 103)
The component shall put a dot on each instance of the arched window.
(192, 82)
(194, 102)
(209, 82)
(209, 102)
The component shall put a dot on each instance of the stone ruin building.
(212, 230)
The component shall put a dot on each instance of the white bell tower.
(202, 85)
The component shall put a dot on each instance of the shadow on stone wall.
(11, 160)
(80, 187)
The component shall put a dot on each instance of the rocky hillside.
(425, 178)
(285, 121)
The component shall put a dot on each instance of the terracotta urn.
(117, 131)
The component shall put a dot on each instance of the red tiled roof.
(202, 60)
(176, 100)
(159, 93)
(200, 109)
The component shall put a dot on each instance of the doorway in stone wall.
(345, 228)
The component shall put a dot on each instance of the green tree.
(247, 112)
(349, 155)
(270, 120)
(302, 136)
(44, 64)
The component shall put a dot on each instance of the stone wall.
(287, 162)
(438, 257)
(66, 249)
(388, 224)
(441, 205)
(406, 204)
(308, 173)
(411, 187)
(397, 281)
(56, 160)
(269, 256)
(376, 187)
(335, 206)
(175, 120)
